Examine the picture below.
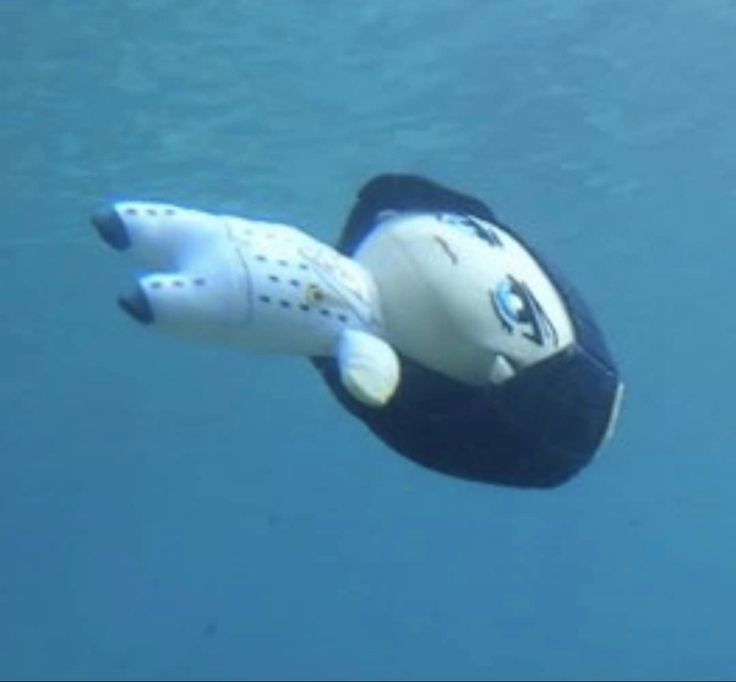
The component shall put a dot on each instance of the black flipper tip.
(137, 306)
(111, 228)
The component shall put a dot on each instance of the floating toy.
(431, 321)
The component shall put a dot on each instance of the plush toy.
(432, 321)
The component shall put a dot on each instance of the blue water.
(175, 511)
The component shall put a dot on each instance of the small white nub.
(615, 411)
(501, 370)
(369, 367)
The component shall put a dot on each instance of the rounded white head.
(463, 297)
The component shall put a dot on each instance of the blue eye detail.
(517, 307)
(508, 305)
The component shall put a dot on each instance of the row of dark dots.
(293, 282)
(197, 281)
(150, 211)
(283, 263)
(303, 306)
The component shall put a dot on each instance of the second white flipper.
(369, 367)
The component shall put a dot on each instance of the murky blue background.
(175, 511)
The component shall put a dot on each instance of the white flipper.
(369, 367)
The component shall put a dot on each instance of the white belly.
(302, 293)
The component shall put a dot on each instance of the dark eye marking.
(516, 305)
(482, 230)
(446, 248)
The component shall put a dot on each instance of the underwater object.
(431, 321)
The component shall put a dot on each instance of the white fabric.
(369, 367)
(265, 286)
(441, 285)
(428, 285)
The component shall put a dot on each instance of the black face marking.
(482, 230)
(446, 248)
(516, 306)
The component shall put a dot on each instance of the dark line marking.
(446, 248)
(485, 233)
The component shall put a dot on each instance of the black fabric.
(535, 430)
(403, 193)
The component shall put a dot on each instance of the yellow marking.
(328, 266)
(314, 294)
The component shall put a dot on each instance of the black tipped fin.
(137, 306)
(394, 192)
(111, 228)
